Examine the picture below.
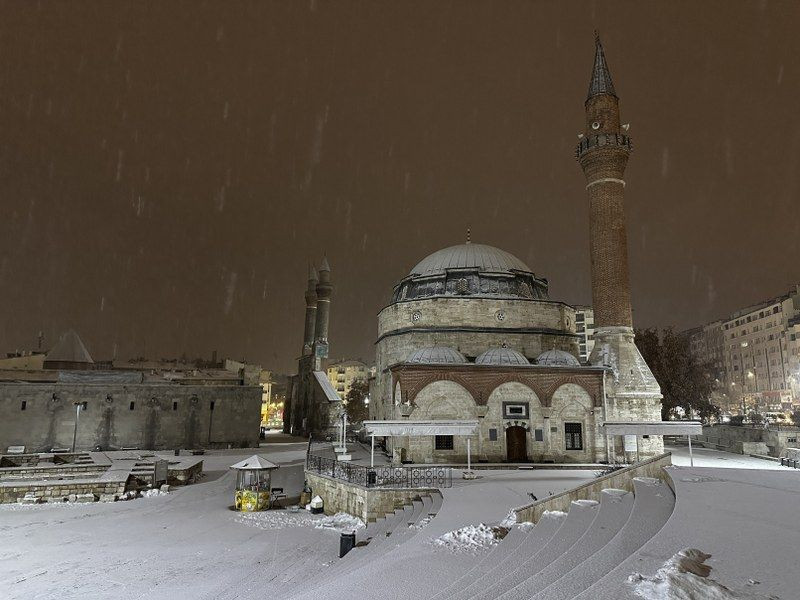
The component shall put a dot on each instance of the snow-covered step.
(499, 554)
(427, 502)
(436, 503)
(416, 514)
(652, 506)
(579, 519)
(533, 542)
(615, 509)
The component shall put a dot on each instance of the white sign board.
(630, 443)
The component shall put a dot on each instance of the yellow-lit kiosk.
(253, 483)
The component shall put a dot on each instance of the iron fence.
(383, 476)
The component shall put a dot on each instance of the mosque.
(472, 334)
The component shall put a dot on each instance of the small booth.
(253, 484)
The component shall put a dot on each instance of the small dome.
(436, 355)
(501, 356)
(557, 358)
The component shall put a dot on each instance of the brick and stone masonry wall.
(129, 416)
(56, 491)
(556, 321)
(367, 504)
(621, 480)
(745, 439)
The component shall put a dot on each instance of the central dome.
(471, 270)
(469, 256)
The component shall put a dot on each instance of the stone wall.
(741, 439)
(58, 491)
(367, 504)
(621, 480)
(145, 416)
(543, 426)
(470, 325)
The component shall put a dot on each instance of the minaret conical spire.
(601, 77)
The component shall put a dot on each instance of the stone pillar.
(548, 444)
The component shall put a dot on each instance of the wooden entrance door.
(516, 444)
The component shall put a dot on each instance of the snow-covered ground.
(706, 457)
(188, 543)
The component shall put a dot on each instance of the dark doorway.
(516, 444)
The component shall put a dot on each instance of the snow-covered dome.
(469, 256)
(436, 355)
(471, 270)
(557, 358)
(501, 356)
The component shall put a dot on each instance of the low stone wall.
(56, 491)
(53, 471)
(182, 475)
(365, 503)
(621, 480)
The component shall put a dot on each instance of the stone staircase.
(563, 556)
(372, 542)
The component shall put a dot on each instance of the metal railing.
(383, 476)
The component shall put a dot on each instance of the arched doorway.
(516, 444)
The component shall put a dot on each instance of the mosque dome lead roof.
(469, 256)
(557, 358)
(475, 270)
(501, 356)
(436, 355)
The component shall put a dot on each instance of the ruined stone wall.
(740, 439)
(367, 504)
(141, 416)
(59, 491)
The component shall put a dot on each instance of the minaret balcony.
(603, 140)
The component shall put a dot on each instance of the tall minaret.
(324, 289)
(603, 154)
(311, 310)
(632, 393)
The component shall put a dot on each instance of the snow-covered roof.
(469, 256)
(557, 358)
(393, 428)
(254, 462)
(652, 428)
(501, 356)
(70, 348)
(327, 386)
(436, 355)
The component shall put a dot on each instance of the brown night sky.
(167, 169)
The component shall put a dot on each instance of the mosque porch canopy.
(652, 428)
(395, 428)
